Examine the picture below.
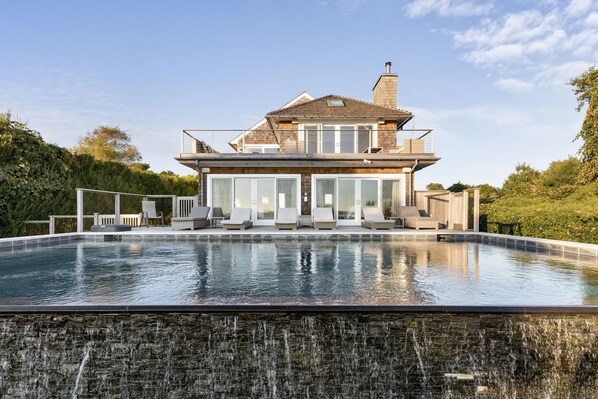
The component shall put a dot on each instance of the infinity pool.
(292, 272)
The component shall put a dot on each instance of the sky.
(489, 76)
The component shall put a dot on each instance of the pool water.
(292, 272)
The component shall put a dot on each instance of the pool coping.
(565, 249)
(295, 309)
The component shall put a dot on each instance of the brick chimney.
(385, 89)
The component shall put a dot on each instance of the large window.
(325, 193)
(287, 193)
(343, 139)
(311, 135)
(221, 197)
(391, 197)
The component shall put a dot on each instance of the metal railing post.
(79, 210)
(52, 228)
(117, 208)
(182, 141)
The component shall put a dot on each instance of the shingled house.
(331, 151)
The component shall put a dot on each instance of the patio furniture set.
(288, 219)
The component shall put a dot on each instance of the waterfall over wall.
(299, 355)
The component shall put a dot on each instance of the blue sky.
(488, 76)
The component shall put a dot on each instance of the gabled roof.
(300, 99)
(352, 108)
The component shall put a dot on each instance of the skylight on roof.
(335, 102)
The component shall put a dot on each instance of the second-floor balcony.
(328, 140)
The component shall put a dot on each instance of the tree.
(108, 144)
(523, 182)
(458, 187)
(585, 88)
(435, 186)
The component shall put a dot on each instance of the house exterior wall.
(306, 178)
(287, 132)
(261, 135)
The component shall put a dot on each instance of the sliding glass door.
(263, 195)
(348, 195)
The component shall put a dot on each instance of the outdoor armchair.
(413, 219)
(374, 219)
(323, 219)
(287, 219)
(240, 219)
(198, 218)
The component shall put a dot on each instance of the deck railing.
(297, 141)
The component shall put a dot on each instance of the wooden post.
(117, 208)
(79, 210)
(476, 210)
(465, 210)
(451, 203)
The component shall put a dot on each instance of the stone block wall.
(298, 355)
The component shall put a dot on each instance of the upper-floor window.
(339, 139)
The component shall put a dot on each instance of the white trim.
(377, 177)
(260, 123)
(337, 125)
(254, 178)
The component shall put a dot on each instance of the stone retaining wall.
(298, 355)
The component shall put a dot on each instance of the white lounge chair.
(323, 219)
(148, 209)
(240, 219)
(415, 220)
(374, 219)
(287, 219)
(198, 218)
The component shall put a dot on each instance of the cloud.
(447, 8)
(513, 85)
(591, 20)
(534, 43)
(559, 75)
(578, 7)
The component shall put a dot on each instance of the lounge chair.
(415, 220)
(323, 219)
(198, 218)
(240, 219)
(374, 219)
(287, 219)
(148, 209)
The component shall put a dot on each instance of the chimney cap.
(387, 65)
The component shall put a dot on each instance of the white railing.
(132, 219)
(181, 206)
(185, 204)
(117, 196)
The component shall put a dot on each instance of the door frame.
(358, 178)
(254, 178)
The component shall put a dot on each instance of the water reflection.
(293, 272)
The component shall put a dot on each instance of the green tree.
(434, 186)
(523, 182)
(458, 187)
(585, 88)
(108, 144)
